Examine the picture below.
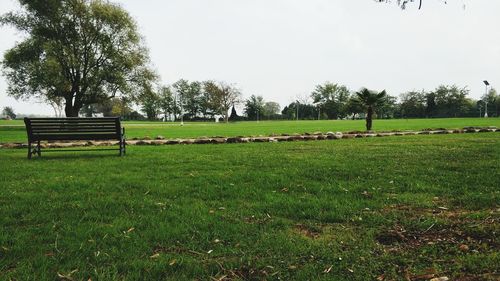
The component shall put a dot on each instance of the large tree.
(83, 51)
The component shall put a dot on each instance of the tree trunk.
(70, 109)
(369, 115)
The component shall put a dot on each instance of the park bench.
(73, 129)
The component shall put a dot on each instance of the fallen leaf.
(328, 269)
(67, 276)
(464, 248)
(172, 262)
(155, 256)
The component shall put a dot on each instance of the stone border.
(282, 138)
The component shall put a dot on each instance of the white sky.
(281, 49)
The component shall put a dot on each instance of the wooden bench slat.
(73, 121)
(77, 137)
(97, 119)
(67, 128)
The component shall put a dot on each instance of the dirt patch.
(307, 231)
(463, 230)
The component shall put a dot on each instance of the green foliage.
(275, 211)
(221, 97)
(8, 112)
(332, 99)
(151, 103)
(168, 103)
(82, 51)
(305, 111)
(445, 101)
(254, 106)
(271, 109)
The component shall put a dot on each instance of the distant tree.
(189, 95)
(167, 102)
(222, 97)
(82, 51)
(89, 110)
(353, 107)
(331, 99)
(271, 109)
(234, 115)
(133, 115)
(254, 107)
(306, 111)
(370, 100)
(114, 107)
(388, 108)
(121, 107)
(9, 112)
(150, 103)
(413, 104)
(452, 101)
(430, 106)
(193, 99)
(493, 102)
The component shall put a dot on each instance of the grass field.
(13, 131)
(387, 208)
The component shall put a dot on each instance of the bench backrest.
(73, 128)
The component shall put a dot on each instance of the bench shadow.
(76, 156)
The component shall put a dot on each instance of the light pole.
(486, 99)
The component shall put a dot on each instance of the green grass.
(14, 131)
(326, 210)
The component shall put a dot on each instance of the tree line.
(197, 101)
(335, 101)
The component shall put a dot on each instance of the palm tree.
(370, 100)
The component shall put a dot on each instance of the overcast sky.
(281, 49)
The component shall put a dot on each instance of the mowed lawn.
(395, 208)
(14, 131)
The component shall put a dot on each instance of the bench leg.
(29, 150)
(39, 149)
(122, 147)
